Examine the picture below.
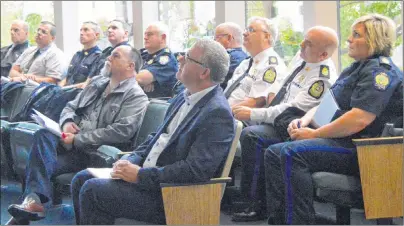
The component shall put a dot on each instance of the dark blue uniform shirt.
(164, 66)
(374, 85)
(236, 56)
(7, 61)
(81, 65)
(99, 62)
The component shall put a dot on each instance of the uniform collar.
(312, 65)
(16, 46)
(194, 98)
(158, 52)
(122, 43)
(233, 49)
(90, 50)
(44, 49)
(263, 55)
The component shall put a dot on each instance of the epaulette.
(324, 71)
(384, 61)
(273, 60)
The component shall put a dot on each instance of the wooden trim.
(378, 141)
(212, 181)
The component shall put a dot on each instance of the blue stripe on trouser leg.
(261, 143)
(288, 172)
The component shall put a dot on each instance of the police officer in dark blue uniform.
(83, 61)
(9, 54)
(230, 36)
(118, 31)
(157, 76)
(369, 94)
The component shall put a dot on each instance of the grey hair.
(235, 30)
(161, 27)
(96, 27)
(270, 27)
(24, 24)
(53, 27)
(126, 26)
(214, 57)
(135, 56)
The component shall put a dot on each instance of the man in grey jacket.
(109, 110)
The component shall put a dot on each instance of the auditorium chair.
(345, 191)
(106, 155)
(195, 203)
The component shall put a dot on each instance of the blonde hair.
(380, 33)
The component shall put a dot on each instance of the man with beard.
(109, 110)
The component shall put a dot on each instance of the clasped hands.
(298, 130)
(125, 170)
(23, 78)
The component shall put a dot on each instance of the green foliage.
(33, 20)
(352, 10)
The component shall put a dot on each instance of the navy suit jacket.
(197, 150)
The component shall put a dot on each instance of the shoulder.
(383, 73)
(5, 48)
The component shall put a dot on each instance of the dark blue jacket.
(81, 65)
(198, 148)
(236, 56)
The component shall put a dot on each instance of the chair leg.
(384, 221)
(57, 196)
(343, 215)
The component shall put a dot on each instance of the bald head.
(319, 44)
(19, 31)
(229, 34)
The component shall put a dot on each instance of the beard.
(106, 70)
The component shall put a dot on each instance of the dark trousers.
(101, 201)
(288, 169)
(48, 159)
(254, 140)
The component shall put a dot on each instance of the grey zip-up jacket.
(118, 118)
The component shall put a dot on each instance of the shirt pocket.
(112, 112)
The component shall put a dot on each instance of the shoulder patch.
(381, 81)
(316, 89)
(324, 71)
(150, 61)
(269, 75)
(273, 60)
(164, 60)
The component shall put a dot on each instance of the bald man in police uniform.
(312, 73)
(253, 78)
(84, 60)
(230, 36)
(157, 76)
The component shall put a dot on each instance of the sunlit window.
(33, 12)
(187, 22)
(351, 10)
(288, 16)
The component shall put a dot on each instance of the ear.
(97, 35)
(206, 74)
(126, 33)
(323, 56)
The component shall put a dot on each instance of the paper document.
(46, 123)
(326, 110)
(104, 173)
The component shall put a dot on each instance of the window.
(102, 12)
(351, 10)
(187, 21)
(33, 12)
(289, 19)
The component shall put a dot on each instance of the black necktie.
(31, 61)
(279, 96)
(236, 83)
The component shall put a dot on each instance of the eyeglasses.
(187, 58)
(44, 32)
(219, 36)
(252, 30)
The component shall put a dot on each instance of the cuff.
(258, 114)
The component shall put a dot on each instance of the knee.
(246, 134)
(273, 154)
(79, 179)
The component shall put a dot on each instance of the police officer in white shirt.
(310, 76)
(252, 79)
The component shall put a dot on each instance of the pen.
(298, 124)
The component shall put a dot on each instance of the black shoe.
(28, 210)
(249, 214)
(14, 221)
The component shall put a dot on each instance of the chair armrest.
(122, 153)
(378, 141)
(211, 181)
(110, 151)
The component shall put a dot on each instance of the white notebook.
(103, 173)
(326, 110)
(46, 123)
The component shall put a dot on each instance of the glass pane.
(33, 12)
(289, 19)
(351, 10)
(103, 12)
(187, 21)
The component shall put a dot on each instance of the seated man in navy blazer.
(190, 146)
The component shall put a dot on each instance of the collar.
(125, 84)
(234, 49)
(20, 45)
(90, 50)
(263, 55)
(122, 43)
(194, 98)
(44, 49)
(313, 65)
(165, 49)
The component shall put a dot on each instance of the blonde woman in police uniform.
(253, 78)
(311, 75)
(369, 92)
